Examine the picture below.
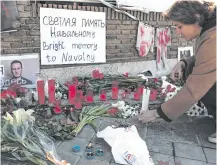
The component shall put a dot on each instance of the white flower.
(120, 105)
(17, 100)
(20, 116)
(58, 95)
(8, 117)
(57, 85)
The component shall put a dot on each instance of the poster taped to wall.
(19, 69)
(72, 36)
(184, 52)
(9, 16)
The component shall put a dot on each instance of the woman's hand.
(177, 73)
(148, 116)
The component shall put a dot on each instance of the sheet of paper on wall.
(145, 39)
(21, 70)
(9, 16)
(163, 40)
(72, 36)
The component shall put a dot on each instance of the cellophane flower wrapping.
(22, 140)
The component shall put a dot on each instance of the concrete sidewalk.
(181, 142)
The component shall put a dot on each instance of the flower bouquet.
(21, 140)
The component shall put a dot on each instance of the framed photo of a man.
(184, 52)
(20, 70)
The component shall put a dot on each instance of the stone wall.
(121, 32)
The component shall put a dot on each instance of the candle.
(75, 80)
(80, 94)
(137, 95)
(89, 97)
(57, 109)
(140, 88)
(51, 90)
(145, 100)
(124, 95)
(40, 89)
(153, 95)
(78, 100)
(72, 93)
(103, 95)
(115, 90)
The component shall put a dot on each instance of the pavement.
(181, 142)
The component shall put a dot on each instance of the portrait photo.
(184, 52)
(21, 70)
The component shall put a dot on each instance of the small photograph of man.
(16, 70)
(21, 70)
(184, 52)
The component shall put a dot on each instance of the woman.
(193, 19)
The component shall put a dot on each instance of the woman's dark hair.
(190, 11)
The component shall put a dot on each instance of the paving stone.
(210, 155)
(161, 159)
(159, 146)
(69, 157)
(159, 131)
(20, 163)
(134, 121)
(114, 164)
(66, 146)
(190, 151)
(182, 119)
(13, 162)
(4, 162)
(57, 143)
(91, 162)
(204, 126)
(107, 152)
(204, 141)
(184, 161)
(106, 123)
(142, 131)
(97, 140)
(184, 137)
(86, 133)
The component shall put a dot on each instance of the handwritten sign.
(72, 36)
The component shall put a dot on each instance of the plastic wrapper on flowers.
(21, 140)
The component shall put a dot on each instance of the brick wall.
(121, 32)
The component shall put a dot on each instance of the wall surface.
(121, 32)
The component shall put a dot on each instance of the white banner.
(72, 36)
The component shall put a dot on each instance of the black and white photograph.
(184, 52)
(20, 70)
